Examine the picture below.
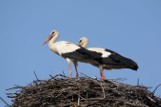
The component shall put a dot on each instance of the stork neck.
(85, 44)
(51, 42)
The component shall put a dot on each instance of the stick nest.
(61, 91)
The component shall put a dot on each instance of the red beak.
(49, 37)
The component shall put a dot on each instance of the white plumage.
(100, 50)
(62, 47)
(69, 51)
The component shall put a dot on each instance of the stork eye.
(80, 41)
(53, 32)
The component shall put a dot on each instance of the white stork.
(69, 51)
(108, 59)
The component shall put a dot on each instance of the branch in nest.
(7, 105)
(156, 88)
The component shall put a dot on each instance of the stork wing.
(83, 55)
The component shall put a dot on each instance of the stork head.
(83, 42)
(52, 34)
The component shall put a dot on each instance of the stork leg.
(75, 65)
(70, 70)
(69, 67)
(101, 73)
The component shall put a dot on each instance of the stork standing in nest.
(108, 59)
(70, 52)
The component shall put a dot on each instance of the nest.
(61, 91)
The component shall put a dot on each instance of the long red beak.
(49, 37)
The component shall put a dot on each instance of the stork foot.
(70, 75)
(102, 77)
(77, 75)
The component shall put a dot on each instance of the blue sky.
(129, 27)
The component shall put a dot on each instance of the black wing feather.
(83, 54)
(116, 59)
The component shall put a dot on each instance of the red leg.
(101, 73)
(75, 65)
(70, 70)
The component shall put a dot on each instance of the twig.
(151, 99)
(78, 95)
(138, 82)
(87, 76)
(58, 75)
(118, 79)
(16, 87)
(156, 88)
(79, 98)
(4, 102)
(63, 73)
(36, 76)
(103, 90)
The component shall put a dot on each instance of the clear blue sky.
(129, 27)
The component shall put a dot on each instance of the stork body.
(108, 59)
(69, 51)
(63, 47)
